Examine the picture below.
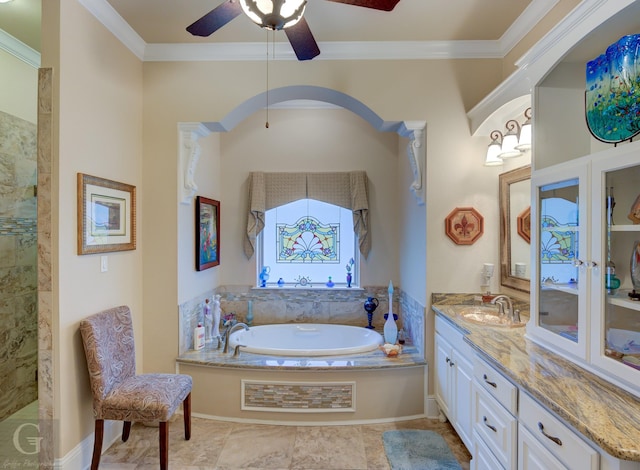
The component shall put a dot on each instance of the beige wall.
(18, 87)
(98, 111)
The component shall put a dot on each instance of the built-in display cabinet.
(586, 255)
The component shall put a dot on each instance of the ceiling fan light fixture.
(274, 14)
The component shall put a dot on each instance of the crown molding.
(535, 11)
(391, 50)
(370, 50)
(19, 49)
(111, 20)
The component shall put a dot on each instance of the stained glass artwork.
(308, 241)
(612, 99)
(556, 243)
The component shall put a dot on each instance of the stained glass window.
(309, 243)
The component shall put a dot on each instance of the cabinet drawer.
(483, 459)
(534, 456)
(556, 437)
(496, 385)
(496, 427)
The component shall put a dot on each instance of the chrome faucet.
(227, 334)
(501, 300)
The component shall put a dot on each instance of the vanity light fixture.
(494, 149)
(5, 1)
(274, 14)
(514, 143)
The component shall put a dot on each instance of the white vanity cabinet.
(454, 373)
(495, 423)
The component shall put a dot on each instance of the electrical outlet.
(104, 264)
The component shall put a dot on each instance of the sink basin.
(485, 315)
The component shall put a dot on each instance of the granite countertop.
(605, 414)
(410, 357)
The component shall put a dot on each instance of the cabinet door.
(560, 274)
(615, 341)
(463, 393)
(532, 455)
(443, 366)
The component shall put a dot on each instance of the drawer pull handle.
(486, 379)
(493, 428)
(551, 438)
(448, 360)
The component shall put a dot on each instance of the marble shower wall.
(343, 306)
(18, 266)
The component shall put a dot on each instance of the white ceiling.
(157, 23)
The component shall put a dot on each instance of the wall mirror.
(515, 228)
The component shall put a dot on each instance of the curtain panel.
(268, 190)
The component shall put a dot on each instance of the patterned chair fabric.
(118, 393)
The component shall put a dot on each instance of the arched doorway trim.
(189, 132)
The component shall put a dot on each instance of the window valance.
(347, 189)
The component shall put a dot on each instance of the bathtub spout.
(227, 334)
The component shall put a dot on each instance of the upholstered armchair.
(118, 393)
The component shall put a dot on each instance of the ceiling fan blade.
(386, 5)
(215, 19)
(302, 40)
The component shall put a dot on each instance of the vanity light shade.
(510, 140)
(524, 142)
(494, 149)
(273, 14)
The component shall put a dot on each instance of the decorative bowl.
(391, 350)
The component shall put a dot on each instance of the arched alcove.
(190, 132)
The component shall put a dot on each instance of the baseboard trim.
(80, 455)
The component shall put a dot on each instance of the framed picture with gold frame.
(106, 215)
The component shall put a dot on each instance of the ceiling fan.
(276, 15)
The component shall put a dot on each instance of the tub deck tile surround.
(410, 357)
(602, 412)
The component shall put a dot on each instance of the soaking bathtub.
(306, 339)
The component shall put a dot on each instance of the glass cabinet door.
(616, 332)
(559, 316)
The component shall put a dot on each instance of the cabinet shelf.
(621, 299)
(567, 288)
(625, 228)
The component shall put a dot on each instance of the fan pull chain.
(266, 124)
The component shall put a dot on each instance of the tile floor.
(226, 446)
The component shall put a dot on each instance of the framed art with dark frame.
(106, 215)
(207, 233)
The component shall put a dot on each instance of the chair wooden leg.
(164, 445)
(97, 444)
(186, 410)
(126, 429)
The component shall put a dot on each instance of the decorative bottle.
(208, 321)
(634, 266)
(249, 318)
(390, 329)
(216, 317)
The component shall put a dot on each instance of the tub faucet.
(228, 331)
(501, 300)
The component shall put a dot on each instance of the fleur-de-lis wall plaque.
(464, 225)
